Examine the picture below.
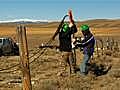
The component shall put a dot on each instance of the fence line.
(41, 51)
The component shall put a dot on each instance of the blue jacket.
(87, 43)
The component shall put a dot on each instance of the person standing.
(65, 36)
(88, 47)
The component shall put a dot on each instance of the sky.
(56, 9)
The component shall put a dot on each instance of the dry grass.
(98, 27)
(44, 70)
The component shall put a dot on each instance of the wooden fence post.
(97, 48)
(24, 60)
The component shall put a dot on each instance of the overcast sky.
(56, 9)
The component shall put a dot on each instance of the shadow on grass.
(95, 69)
(98, 70)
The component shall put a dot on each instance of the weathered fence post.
(24, 60)
(97, 48)
(102, 46)
(116, 48)
(107, 43)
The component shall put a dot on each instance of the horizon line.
(43, 20)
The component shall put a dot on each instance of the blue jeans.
(83, 66)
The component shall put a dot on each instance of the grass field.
(45, 69)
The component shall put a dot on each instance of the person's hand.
(70, 24)
(73, 43)
(73, 40)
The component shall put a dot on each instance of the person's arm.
(77, 43)
(73, 29)
(84, 42)
(87, 41)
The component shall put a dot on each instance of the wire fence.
(100, 47)
(35, 56)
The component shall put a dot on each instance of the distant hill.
(24, 21)
(105, 23)
(96, 23)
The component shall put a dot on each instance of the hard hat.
(84, 27)
(65, 27)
